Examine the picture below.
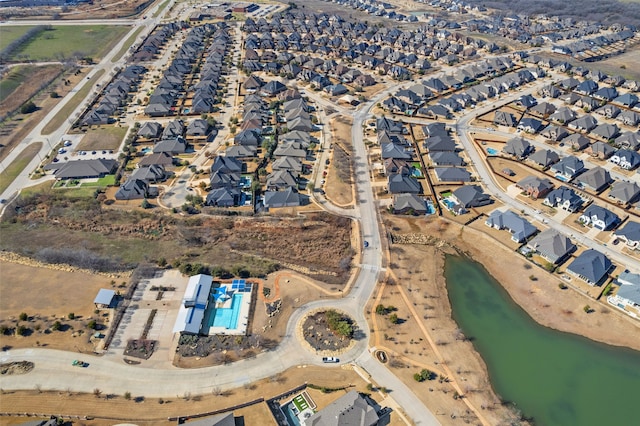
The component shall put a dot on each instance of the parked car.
(330, 359)
(366, 244)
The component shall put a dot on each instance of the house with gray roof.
(226, 165)
(628, 295)
(241, 151)
(599, 217)
(287, 163)
(392, 150)
(398, 183)
(223, 197)
(286, 198)
(564, 198)
(470, 196)
(596, 179)
(446, 158)
(409, 203)
(173, 146)
(629, 118)
(591, 266)
(606, 131)
(173, 129)
(530, 125)
(133, 189)
(568, 168)
(577, 141)
(624, 192)
(563, 115)
(198, 128)
(544, 158)
(150, 130)
(164, 159)
(519, 227)
(628, 140)
(440, 143)
(585, 123)
(281, 179)
(630, 234)
(518, 148)
(349, 409)
(554, 133)
(153, 173)
(503, 118)
(452, 174)
(552, 245)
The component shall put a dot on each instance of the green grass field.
(92, 41)
(12, 81)
(66, 110)
(127, 44)
(108, 180)
(161, 8)
(8, 34)
(18, 165)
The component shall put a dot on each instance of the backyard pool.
(146, 150)
(416, 173)
(492, 151)
(449, 203)
(431, 209)
(562, 178)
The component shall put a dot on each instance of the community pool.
(492, 151)
(225, 317)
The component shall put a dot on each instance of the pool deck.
(243, 315)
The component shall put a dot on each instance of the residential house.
(519, 227)
(452, 174)
(530, 125)
(624, 192)
(600, 150)
(287, 198)
(628, 295)
(198, 128)
(563, 115)
(446, 158)
(518, 148)
(544, 158)
(164, 159)
(349, 409)
(226, 165)
(535, 187)
(552, 246)
(392, 150)
(503, 118)
(399, 183)
(223, 197)
(625, 159)
(153, 173)
(150, 130)
(577, 141)
(133, 189)
(628, 140)
(585, 123)
(470, 196)
(599, 217)
(629, 118)
(606, 131)
(630, 234)
(281, 179)
(409, 204)
(591, 266)
(596, 179)
(173, 146)
(564, 198)
(568, 168)
(554, 133)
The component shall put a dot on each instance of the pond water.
(556, 378)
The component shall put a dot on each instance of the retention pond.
(553, 377)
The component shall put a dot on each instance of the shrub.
(56, 326)
(92, 324)
(23, 316)
(393, 318)
(71, 315)
(28, 108)
(127, 395)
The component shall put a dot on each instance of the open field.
(66, 111)
(18, 165)
(162, 6)
(107, 411)
(9, 34)
(47, 295)
(104, 137)
(630, 60)
(22, 82)
(127, 44)
(318, 245)
(63, 42)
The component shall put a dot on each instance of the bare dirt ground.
(626, 64)
(47, 295)
(339, 186)
(153, 412)
(102, 10)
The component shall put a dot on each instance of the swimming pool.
(449, 203)
(431, 209)
(492, 151)
(225, 317)
(562, 178)
(146, 150)
(416, 173)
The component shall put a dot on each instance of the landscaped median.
(17, 166)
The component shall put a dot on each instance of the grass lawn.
(66, 111)
(9, 34)
(12, 81)
(108, 180)
(103, 137)
(66, 41)
(127, 44)
(18, 165)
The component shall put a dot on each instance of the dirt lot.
(103, 137)
(32, 78)
(339, 186)
(47, 295)
(152, 412)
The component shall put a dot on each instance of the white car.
(330, 360)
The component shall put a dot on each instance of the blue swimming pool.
(492, 151)
(416, 173)
(562, 178)
(449, 203)
(224, 317)
(431, 209)
(146, 150)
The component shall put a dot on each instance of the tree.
(56, 326)
(92, 324)
(54, 95)
(145, 204)
(393, 318)
(71, 315)
(28, 108)
(127, 395)
(23, 316)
